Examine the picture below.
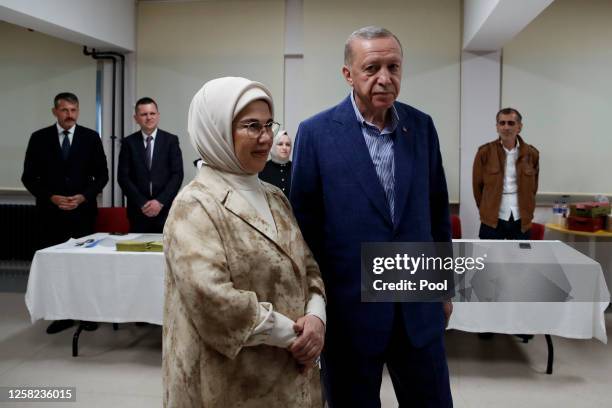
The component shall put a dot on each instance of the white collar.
(514, 149)
(60, 130)
(144, 135)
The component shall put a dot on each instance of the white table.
(577, 320)
(103, 285)
(98, 283)
(596, 245)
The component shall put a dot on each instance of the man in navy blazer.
(65, 169)
(370, 170)
(150, 170)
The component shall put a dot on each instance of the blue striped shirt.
(380, 146)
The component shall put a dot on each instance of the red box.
(585, 224)
(590, 209)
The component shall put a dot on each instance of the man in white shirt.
(505, 181)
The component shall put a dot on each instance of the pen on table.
(94, 243)
(84, 242)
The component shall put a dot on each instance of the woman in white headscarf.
(244, 309)
(278, 169)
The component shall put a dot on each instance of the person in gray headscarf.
(244, 312)
(278, 169)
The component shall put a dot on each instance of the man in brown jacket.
(505, 181)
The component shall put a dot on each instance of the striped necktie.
(148, 152)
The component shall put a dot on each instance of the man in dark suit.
(65, 169)
(370, 170)
(150, 170)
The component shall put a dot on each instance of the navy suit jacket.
(339, 203)
(166, 174)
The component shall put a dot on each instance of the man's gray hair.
(366, 33)
(65, 96)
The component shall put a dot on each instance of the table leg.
(75, 340)
(592, 247)
(551, 354)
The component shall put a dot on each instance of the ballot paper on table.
(139, 246)
(102, 242)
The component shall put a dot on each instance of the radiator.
(18, 231)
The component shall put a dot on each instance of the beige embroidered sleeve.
(223, 316)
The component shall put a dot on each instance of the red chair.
(456, 226)
(537, 231)
(112, 219)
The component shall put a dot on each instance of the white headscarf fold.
(209, 122)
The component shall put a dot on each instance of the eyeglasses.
(504, 122)
(254, 129)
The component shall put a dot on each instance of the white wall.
(183, 45)
(476, 13)
(105, 24)
(430, 33)
(557, 73)
(294, 66)
(480, 95)
(34, 68)
(490, 24)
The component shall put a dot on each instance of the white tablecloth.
(97, 283)
(579, 320)
(101, 284)
(596, 247)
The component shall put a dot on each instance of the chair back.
(537, 231)
(112, 219)
(456, 226)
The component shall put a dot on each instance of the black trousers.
(419, 375)
(57, 226)
(510, 229)
(149, 225)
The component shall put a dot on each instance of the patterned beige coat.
(221, 260)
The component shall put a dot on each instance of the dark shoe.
(485, 336)
(525, 337)
(89, 326)
(59, 325)
(141, 324)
